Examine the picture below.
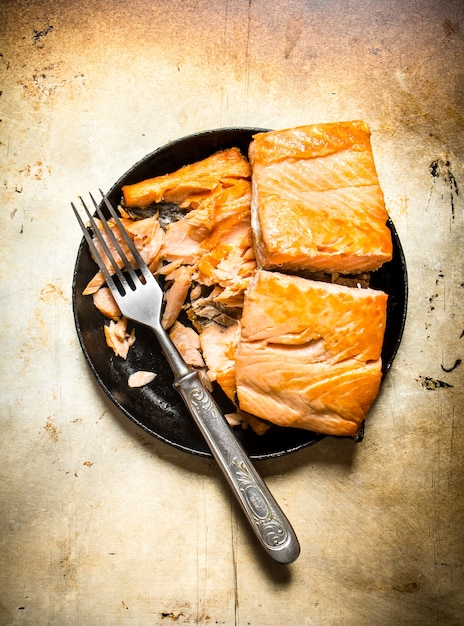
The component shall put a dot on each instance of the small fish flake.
(141, 378)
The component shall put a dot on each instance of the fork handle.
(268, 521)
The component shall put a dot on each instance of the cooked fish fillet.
(176, 294)
(316, 200)
(104, 300)
(147, 236)
(228, 258)
(118, 338)
(187, 341)
(309, 354)
(190, 184)
(219, 345)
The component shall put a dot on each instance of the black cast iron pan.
(157, 408)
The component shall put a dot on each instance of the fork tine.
(123, 285)
(96, 255)
(130, 244)
(110, 256)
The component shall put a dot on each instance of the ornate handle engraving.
(202, 401)
(268, 521)
(268, 524)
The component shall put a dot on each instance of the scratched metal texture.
(100, 524)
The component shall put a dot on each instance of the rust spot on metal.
(51, 429)
(431, 384)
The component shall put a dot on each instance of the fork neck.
(175, 360)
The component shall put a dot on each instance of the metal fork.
(140, 299)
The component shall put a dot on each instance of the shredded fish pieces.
(306, 201)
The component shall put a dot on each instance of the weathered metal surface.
(93, 517)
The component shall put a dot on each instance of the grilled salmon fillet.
(316, 200)
(289, 350)
(309, 354)
(191, 184)
(219, 345)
